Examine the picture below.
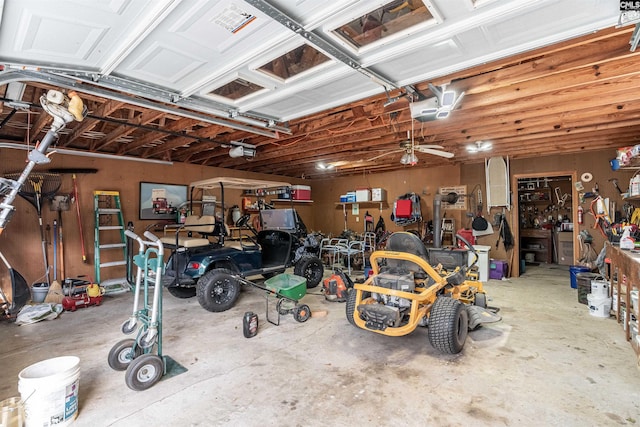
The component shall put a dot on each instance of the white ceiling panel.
(184, 49)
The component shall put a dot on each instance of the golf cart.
(405, 292)
(205, 260)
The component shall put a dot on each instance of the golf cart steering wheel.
(471, 248)
(243, 220)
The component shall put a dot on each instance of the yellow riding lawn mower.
(405, 292)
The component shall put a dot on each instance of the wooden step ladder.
(108, 221)
(448, 230)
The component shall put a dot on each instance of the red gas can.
(467, 234)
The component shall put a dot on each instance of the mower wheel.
(350, 306)
(144, 372)
(448, 325)
(310, 267)
(122, 354)
(182, 293)
(302, 313)
(218, 290)
(480, 300)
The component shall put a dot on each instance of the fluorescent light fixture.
(435, 108)
(479, 146)
(324, 166)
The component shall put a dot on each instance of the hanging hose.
(77, 199)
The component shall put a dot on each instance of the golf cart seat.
(403, 241)
(204, 226)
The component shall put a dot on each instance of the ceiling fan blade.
(384, 154)
(440, 153)
(421, 146)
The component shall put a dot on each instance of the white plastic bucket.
(600, 288)
(599, 307)
(49, 390)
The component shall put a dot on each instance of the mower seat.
(403, 241)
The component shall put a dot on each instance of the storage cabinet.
(537, 241)
(624, 285)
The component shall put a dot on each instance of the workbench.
(624, 278)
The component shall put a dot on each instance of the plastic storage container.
(300, 192)
(498, 269)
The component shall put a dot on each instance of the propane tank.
(580, 215)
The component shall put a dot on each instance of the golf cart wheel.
(182, 293)
(480, 300)
(302, 313)
(310, 267)
(448, 325)
(122, 354)
(218, 290)
(144, 372)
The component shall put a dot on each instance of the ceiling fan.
(479, 146)
(409, 148)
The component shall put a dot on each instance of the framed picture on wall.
(161, 201)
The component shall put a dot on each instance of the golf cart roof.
(237, 183)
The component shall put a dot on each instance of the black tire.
(128, 328)
(121, 354)
(182, 293)
(302, 313)
(218, 290)
(350, 306)
(310, 267)
(144, 372)
(448, 325)
(480, 300)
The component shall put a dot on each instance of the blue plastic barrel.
(574, 270)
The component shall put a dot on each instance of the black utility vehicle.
(208, 263)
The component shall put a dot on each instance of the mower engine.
(390, 309)
(398, 282)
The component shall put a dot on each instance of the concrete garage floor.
(549, 362)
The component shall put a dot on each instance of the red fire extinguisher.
(580, 215)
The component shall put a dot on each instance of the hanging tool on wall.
(614, 181)
(63, 109)
(76, 197)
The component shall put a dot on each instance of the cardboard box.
(351, 197)
(363, 195)
(565, 253)
(378, 195)
(300, 192)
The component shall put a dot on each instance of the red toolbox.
(403, 208)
